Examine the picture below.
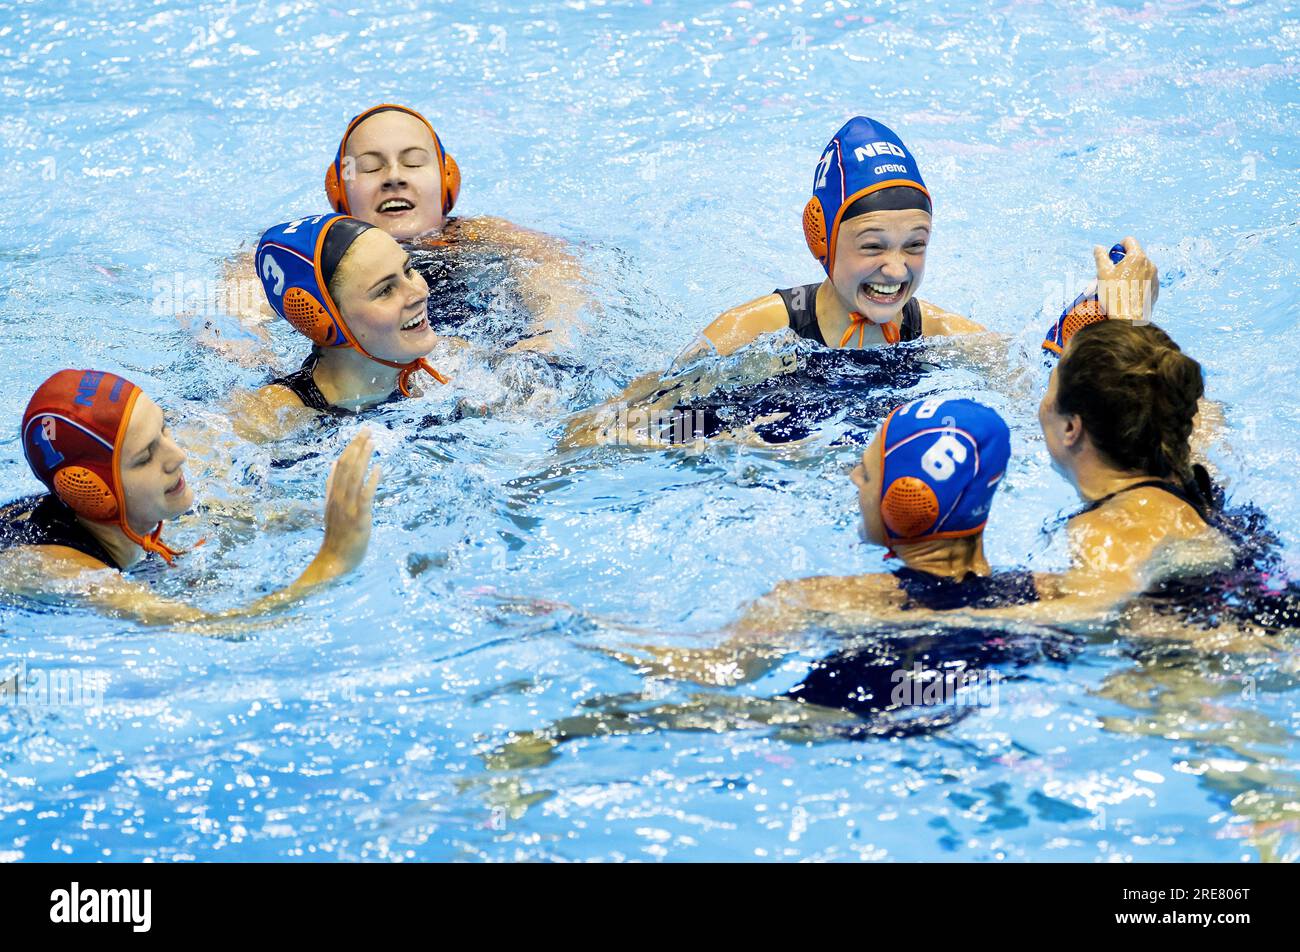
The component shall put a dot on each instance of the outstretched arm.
(39, 571)
(728, 333)
(771, 627)
(936, 322)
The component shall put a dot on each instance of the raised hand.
(349, 505)
(1128, 290)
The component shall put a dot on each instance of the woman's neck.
(351, 380)
(834, 318)
(115, 542)
(951, 558)
(1094, 479)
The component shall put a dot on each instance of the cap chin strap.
(859, 323)
(409, 370)
(153, 542)
(405, 371)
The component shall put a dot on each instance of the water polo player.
(114, 476)
(1117, 419)
(352, 291)
(392, 171)
(868, 225)
(925, 487)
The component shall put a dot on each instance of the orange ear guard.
(909, 507)
(336, 188)
(309, 317)
(450, 181)
(1088, 313)
(940, 463)
(334, 191)
(1085, 310)
(85, 494)
(814, 229)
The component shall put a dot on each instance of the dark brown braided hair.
(1136, 393)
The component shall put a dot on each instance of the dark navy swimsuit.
(473, 292)
(44, 520)
(861, 385)
(1256, 590)
(863, 680)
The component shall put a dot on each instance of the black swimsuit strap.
(801, 307)
(1194, 499)
(910, 328)
(302, 384)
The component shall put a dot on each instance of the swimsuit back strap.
(1194, 500)
(301, 384)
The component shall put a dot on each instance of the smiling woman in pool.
(391, 171)
(351, 290)
(868, 224)
(114, 476)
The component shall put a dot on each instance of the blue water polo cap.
(290, 263)
(941, 464)
(865, 167)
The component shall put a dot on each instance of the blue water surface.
(403, 713)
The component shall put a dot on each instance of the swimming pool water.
(390, 716)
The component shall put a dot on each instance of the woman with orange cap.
(391, 171)
(114, 475)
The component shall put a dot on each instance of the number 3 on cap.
(941, 459)
(273, 272)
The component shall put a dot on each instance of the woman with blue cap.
(868, 225)
(925, 487)
(352, 291)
